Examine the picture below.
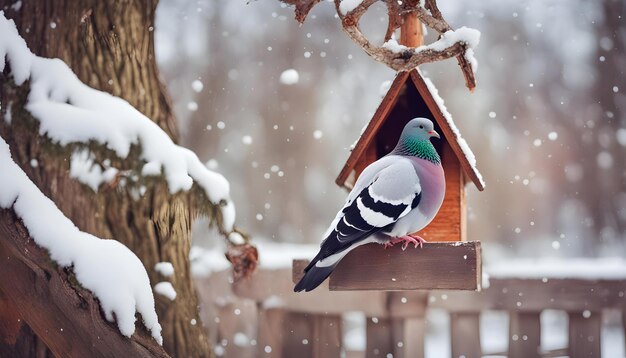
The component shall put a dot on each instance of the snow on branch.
(452, 43)
(105, 267)
(70, 112)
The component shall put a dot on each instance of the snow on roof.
(467, 152)
(105, 267)
(613, 268)
(71, 112)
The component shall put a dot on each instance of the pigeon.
(394, 197)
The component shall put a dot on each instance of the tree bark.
(110, 46)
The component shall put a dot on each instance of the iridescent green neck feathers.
(417, 147)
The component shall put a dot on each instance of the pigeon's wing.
(392, 193)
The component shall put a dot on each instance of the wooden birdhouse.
(411, 95)
(448, 260)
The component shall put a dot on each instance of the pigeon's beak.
(434, 134)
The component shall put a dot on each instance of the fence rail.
(280, 323)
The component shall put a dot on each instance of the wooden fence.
(275, 322)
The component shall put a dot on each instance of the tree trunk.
(109, 45)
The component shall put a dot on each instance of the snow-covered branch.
(70, 112)
(452, 43)
(459, 43)
(106, 267)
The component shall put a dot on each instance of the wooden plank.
(435, 266)
(355, 354)
(378, 337)
(66, 317)
(372, 128)
(407, 310)
(524, 335)
(585, 330)
(459, 301)
(270, 334)
(299, 335)
(446, 226)
(535, 295)
(236, 318)
(465, 334)
(403, 304)
(448, 133)
(326, 336)
(408, 337)
(273, 287)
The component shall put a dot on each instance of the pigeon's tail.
(320, 268)
(313, 277)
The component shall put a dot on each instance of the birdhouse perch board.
(447, 261)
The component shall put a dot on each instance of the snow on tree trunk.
(109, 45)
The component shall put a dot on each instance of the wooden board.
(438, 265)
(276, 287)
(465, 334)
(558, 294)
(524, 335)
(585, 332)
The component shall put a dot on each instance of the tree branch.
(66, 316)
(410, 58)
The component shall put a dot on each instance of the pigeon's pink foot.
(406, 240)
(420, 240)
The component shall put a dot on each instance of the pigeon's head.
(415, 140)
(419, 128)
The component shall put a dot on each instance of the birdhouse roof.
(441, 115)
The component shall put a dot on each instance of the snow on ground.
(105, 267)
(69, 112)
(165, 289)
(164, 268)
(579, 268)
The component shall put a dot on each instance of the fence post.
(408, 323)
(378, 337)
(465, 334)
(524, 335)
(326, 336)
(585, 329)
(270, 336)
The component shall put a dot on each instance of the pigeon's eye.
(421, 127)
